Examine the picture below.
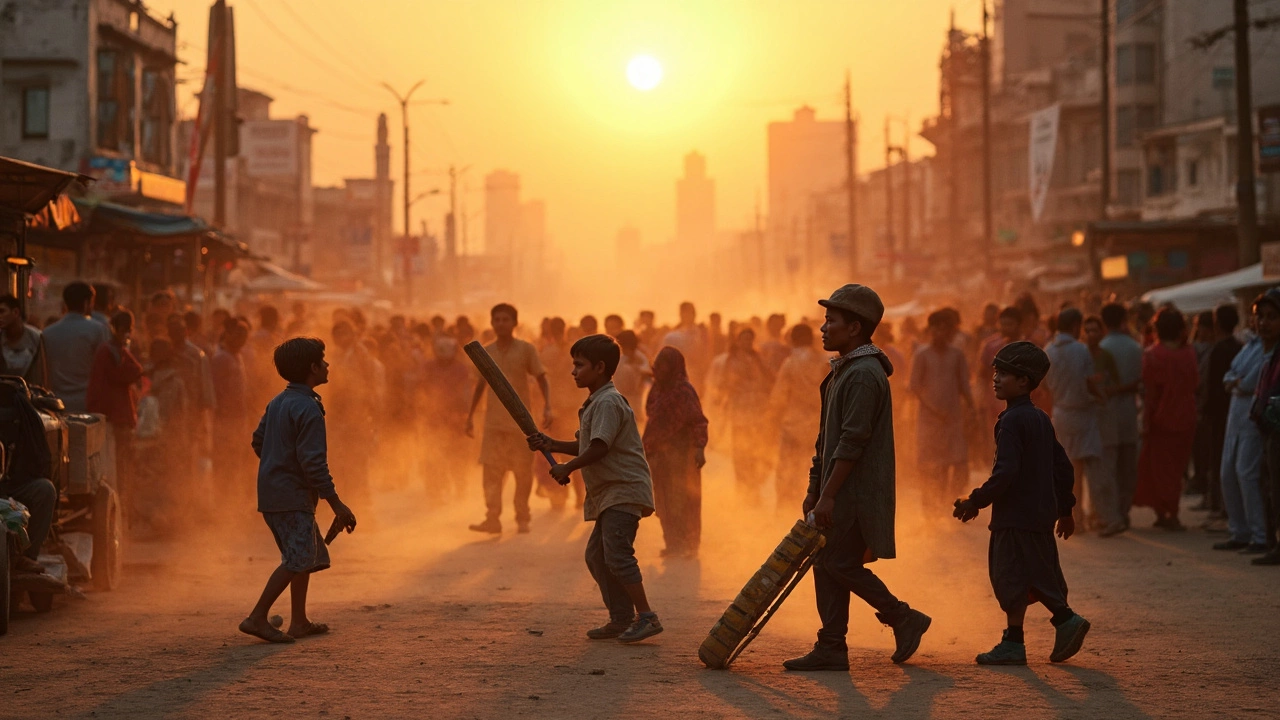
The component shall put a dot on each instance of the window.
(108, 105)
(115, 100)
(1144, 118)
(1135, 64)
(1144, 63)
(1162, 178)
(1124, 126)
(1132, 121)
(1126, 9)
(1193, 173)
(35, 112)
(1128, 187)
(157, 117)
(1124, 65)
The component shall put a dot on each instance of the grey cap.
(858, 299)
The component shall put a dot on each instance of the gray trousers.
(1120, 463)
(41, 499)
(611, 558)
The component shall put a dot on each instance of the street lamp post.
(404, 119)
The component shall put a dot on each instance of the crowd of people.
(1148, 404)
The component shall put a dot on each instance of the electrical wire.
(333, 50)
(361, 83)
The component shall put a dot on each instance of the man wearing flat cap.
(851, 484)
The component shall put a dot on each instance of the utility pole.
(953, 142)
(851, 174)
(888, 197)
(905, 154)
(404, 119)
(1105, 110)
(1246, 192)
(221, 36)
(988, 223)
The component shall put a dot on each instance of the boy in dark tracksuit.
(1030, 492)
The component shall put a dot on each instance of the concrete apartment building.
(88, 86)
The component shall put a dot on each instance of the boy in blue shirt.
(1030, 492)
(293, 474)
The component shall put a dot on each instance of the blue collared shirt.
(293, 466)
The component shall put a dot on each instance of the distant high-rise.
(806, 164)
(695, 204)
(501, 212)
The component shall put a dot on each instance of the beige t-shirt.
(621, 478)
(518, 362)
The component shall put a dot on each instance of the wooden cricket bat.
(501, 387)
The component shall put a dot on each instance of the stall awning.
(106, 216)
(1208, 293)
(273, 278)
(27, 189)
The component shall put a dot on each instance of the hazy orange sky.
(539, 87)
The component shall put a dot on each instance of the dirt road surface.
(430, 620)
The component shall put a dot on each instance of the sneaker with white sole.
(645, 626)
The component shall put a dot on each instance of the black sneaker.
(907, 633)
(1230, 545)
(1271, 558)
(819, 659)
(609, 630)
(1068, 638)
(492, 527)
(645, 626)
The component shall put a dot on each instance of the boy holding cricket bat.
(293, 474)
(610, 454)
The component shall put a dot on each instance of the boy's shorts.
(302, 548)
(1024, 569)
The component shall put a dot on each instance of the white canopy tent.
(1208, 293)
(272, 278)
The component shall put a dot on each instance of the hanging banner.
(1040, 152)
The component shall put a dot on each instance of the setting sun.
(644, 72)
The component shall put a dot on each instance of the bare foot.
(260, 628)
(307, 628)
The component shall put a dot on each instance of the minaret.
(382, 198)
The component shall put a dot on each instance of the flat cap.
(1023, 358)
(858, 299)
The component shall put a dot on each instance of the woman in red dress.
(1169, 378)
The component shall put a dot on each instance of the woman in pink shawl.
(675, 440)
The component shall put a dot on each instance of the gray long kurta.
(857, 425)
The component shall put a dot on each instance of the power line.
(363, 84)
(277, 85)
(336, 53)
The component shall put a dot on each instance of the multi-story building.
(88, 86)
(807, 169)
(269, 202)
(501, 213)
(695, 205)
(1188, 160)
(1067, 85)
(515, 234)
